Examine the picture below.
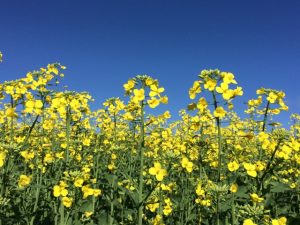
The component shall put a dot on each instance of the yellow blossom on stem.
(272, 97)
(158, 172)
(251, 169)
(248, 222)
(59, 190)
(280, 221)
(87, 214)
(87, 191)
(78, 182)
(168, 207)
(10, 112)
(202, 104)
(129, 85)
(2, 158)
(228, 78)
(188, 165)
(153, 102)
(24, 181)
(219, 112)
(27, 155)
(196, 89)
(226, 93)
(233, 166)
(234, 188)
(139, 95)
(210, 84)
(154, 90)
(256, 198)
(67, 202)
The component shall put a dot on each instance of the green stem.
(37, 194)
(266, 116)
(268, 167)
(233, 217)
(141, 178)
(219, 156)
(62, 213)
(68, 131)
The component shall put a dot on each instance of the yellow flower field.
(62, 163)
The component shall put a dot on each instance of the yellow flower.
(202, 104)
(153, 102)
(149, 81)
(228, 78)
(38, 104)
(251, 169)
(48, 158)
(199, 191)
(88, 214)
(154, 90)
(128, 116)
(219, 112)
(97, 192)
(272, 97)
(139, 95)
(27, 155)
(59, 191)
(185, 163)
(238, 91)
(52, 68)
(210, 84)
(2, 158)
(24, 181)
(167, 115)
(260, 166)
(67, 202)
(280, 221)
(113, 156)
(248, 222)
(226, 93)
(87, 191)
(10, 112)
(256, 198)
(78, 182)
(164, 99)
(167, 208)
(157, 220)
(86, 142)
(158, 172)
(233, 166)
(195, 90)
(153, 206)
(234, 188)
(130, 84)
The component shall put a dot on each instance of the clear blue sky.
(103, 43)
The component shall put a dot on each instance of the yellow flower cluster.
(122, 165)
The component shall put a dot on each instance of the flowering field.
(62, 163)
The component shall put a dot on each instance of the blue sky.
(103, 43)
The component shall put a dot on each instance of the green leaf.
(277, 187)
(86, 206)
(103, 218)
(242, 192)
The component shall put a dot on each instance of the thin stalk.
(62, 213)
(266, 116)
(68, 131)
(111, 215)
(141, 177)
(37, 194)
(219, 156)
(233, 216)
